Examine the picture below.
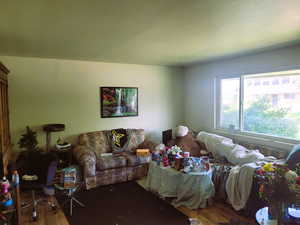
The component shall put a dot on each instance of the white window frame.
(239, 131)
(218, 100)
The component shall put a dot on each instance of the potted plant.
(28, 141)
(279, 186)
(29, 144)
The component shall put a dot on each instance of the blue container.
(7, 203)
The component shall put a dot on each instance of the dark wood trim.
(3, 68)
(5, 142)
(18, 205)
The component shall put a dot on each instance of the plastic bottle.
(15, 178)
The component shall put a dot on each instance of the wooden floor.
(212, 215)
(46, 215)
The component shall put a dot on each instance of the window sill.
(278, 143)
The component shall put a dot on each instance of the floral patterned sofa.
(99, 169)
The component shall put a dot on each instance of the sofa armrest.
(87, 159)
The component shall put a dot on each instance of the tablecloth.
(190, 190)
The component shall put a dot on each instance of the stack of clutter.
(68, 177)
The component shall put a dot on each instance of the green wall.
(45, 91)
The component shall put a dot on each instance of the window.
(257, 82)
(275, 81)
(274, 100)
(230, 89)
(266, 83)
(285, 80)
(289, 96)
(251, 108)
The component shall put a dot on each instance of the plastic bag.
(194, 221)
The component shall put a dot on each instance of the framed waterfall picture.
(119, 101)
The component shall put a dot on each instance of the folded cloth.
(240, 155)
(224, 147)
(239, 184)
(211, 142)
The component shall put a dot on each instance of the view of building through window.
(271, 104)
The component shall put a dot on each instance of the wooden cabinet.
(5, 143)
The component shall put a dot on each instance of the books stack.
(68, 177)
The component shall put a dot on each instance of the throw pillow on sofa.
(119, 139)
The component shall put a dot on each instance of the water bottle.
(15, 178)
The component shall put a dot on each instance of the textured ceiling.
(165, 32)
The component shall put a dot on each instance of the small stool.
(69, 192)
(32, 183)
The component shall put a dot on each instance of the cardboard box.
(142, 152)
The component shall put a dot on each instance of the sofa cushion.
(135, 138)
(134, 160)
(96, 141)
(110, 162)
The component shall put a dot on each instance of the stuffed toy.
(5, 196)
(156, 153)
(165, 160)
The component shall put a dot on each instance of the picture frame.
(118, 102)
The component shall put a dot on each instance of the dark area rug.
(123, 204)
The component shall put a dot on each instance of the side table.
(190, 190)
(69, 193)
